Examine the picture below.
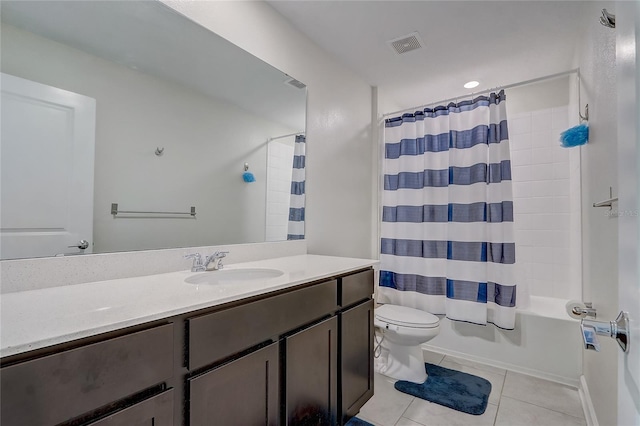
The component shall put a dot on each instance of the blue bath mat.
(354, 421)
(454, 389)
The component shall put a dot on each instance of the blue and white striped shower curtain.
(298, 178)
(447, 223)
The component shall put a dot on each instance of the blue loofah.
(575, 136)
(248, 177)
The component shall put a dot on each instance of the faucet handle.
(197, 262)
(220, 255)
(197, 259)
(216, 259)
(196, 256)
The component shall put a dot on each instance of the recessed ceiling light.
(471, 84)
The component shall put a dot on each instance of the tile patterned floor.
(515, 399)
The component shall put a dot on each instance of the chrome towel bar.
(609, 202)
(606, 203)
(115, 211)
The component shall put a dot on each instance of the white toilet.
(400, 331)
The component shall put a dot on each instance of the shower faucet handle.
(618, 329)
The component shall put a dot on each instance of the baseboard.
(587, 404)
(511, 367)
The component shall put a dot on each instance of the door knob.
(82, 244)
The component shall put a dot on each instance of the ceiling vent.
(406, 43)
(295, 83)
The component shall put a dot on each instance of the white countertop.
(39, 318)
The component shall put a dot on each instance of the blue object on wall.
(248, 177)
(575, 136)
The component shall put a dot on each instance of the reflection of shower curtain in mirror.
(447, 224)
(296, 208)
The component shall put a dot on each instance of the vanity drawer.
(221, 334)
(356, 287)
(58, 387)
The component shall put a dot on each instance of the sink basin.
(230, 276)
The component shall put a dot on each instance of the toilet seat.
(406, 317)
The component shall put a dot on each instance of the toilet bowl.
(399, 332)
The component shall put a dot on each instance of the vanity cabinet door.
(155, 411)
(243, 392)
(356, 369)
(311, 359)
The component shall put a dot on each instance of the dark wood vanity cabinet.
(311, 384)
(356, 353)
(244, 391)
(298, 356)
(323, 334)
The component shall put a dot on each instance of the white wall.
(596, 59)
(339, 142)
(206, 144)
(628, 79)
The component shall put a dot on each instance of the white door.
(628, 30)
(46, 170)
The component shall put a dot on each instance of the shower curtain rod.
(508, 86)
(285, 136)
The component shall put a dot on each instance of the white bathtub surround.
(45, 317)
(546, 204)
(546, 343)
(33, 274)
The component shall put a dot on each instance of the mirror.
(131, 104)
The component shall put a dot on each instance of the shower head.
(608, 19)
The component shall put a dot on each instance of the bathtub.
(546, 342)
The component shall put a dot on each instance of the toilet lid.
(408, 317)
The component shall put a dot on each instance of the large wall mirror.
(126, 126)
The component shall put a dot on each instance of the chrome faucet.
(199, 265)
(216, 258)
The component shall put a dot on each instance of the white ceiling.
(152, 38)
(494, 42)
